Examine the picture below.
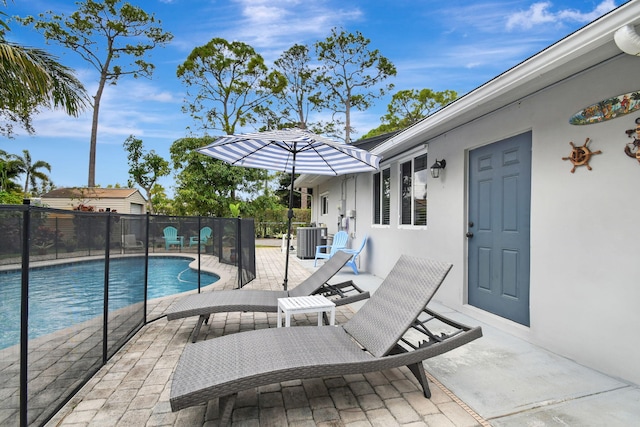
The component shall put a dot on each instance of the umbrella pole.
(290, 217)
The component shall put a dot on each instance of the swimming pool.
(72, 293)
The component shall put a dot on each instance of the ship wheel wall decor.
(580, 155)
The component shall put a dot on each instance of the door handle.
(469, 234)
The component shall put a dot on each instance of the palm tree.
(33, 171)
(30, 78)
(10, 168)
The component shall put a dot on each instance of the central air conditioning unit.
(308, 238)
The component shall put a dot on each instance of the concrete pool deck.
(497, 380)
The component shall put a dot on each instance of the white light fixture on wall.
(628, 40)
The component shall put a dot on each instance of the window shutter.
(376, 198)
(386, 196)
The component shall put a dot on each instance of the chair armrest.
(319, 247)
(342, 293)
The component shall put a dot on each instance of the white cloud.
(278, 24)
(538, 13)
(604, 7)
(541, 13)
(143, 91)
(466, 18)
(56, 124)
(131, 107)
(269, 26)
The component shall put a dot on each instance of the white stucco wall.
(342, 192)
(585, 286)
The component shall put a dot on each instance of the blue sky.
(440, 45)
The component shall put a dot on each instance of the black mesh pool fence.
(41, 365)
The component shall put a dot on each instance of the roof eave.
(580, 50)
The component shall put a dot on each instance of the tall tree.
(113, 37)
(145, 167)
(283, 181)
(228, 82)
(351, 74)
(31, 78)
(161, 203)
(33, 171)
(410, 106)
(207, 186)
(295, 65)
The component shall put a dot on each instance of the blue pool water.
(72, 293)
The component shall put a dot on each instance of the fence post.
(199, 251)
(146, 266)
(55, 238)
(24, 311)
(220, 222)
(105, 314)
(238, 251)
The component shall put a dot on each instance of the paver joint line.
(319, 400)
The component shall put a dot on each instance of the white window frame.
(324, 204)
(379, 198)
(410, 157)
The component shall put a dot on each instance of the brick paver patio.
(132, 389)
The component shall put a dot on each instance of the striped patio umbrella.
(291, 151)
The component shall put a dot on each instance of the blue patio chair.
(171, 237)
(339, 243)
(205, 235)
(355, 252)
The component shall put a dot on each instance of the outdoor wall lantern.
(437, 167)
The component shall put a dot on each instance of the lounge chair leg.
(225, 405)
(196, 329)
(418, 371)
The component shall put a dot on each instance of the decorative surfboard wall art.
(608, 109)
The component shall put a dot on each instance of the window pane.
(420, 190)
(405, 193)
(324, 205)
(376, 198)
(386, 196)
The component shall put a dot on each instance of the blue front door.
(498, 229)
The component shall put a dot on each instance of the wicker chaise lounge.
(389, 331)
(206, 303)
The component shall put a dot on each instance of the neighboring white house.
(543, 253)
(121, 200)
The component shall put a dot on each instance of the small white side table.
(309, 304)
